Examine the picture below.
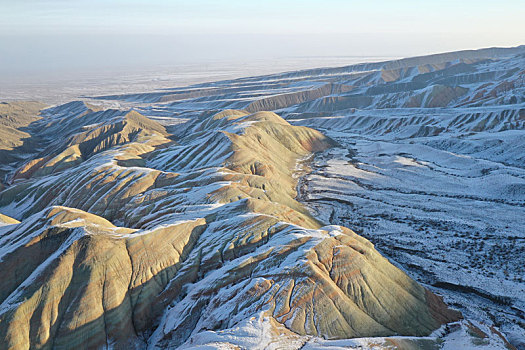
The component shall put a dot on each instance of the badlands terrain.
(378, 205)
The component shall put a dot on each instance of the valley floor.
(221, 216)
(453, 221)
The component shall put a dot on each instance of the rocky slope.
(16, 140)
(197, 219)
(13, 117)
(208, 235)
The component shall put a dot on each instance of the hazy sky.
(47, 36)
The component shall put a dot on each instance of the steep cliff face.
(209, 236)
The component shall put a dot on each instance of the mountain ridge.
(259, 187)
(193, 218)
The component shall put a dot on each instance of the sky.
(39, 37)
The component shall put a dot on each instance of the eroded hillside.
(208, 235)
(184, 223)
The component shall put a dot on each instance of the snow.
(446, 208)
(439, 191)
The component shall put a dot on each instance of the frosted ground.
(452, 220)
(430, 165)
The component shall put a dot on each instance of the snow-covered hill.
(199, 219)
